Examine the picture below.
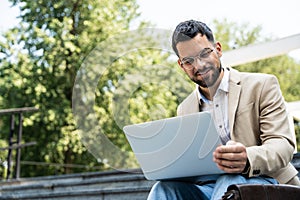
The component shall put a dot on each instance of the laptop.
(176, 147)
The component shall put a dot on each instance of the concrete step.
(131, 193)
(109, 185)
(99, 185)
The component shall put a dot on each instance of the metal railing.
(15, 145)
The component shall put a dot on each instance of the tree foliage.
(39, 61)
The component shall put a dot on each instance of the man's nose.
(199, 63)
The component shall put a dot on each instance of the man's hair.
(189, 29)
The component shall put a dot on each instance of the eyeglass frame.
(205, 53)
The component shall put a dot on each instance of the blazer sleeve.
(189, 105)
(277, 146)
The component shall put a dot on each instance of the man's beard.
(205, 83)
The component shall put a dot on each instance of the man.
(248, 110)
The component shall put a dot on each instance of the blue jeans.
(213, 187)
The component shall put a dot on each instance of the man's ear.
(218, 47)
(179, 63)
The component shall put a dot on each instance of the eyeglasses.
(188, 62)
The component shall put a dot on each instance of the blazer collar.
(233, 96)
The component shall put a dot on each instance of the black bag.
(262, 192)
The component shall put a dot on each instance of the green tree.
(39, 61)
(135, 87)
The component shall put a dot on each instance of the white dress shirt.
(218, 107)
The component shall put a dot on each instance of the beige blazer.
(257, 119)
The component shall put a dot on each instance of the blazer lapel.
(233, 96)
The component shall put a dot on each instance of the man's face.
(200, 59)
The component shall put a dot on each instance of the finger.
(237, 145)
(231, 156)
(230, 142)
(230, 168)
(237, 148)
(231, 164)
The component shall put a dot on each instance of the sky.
(278, 18)
(7, 15)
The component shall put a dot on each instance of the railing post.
(10, 141)
(19, 139)
(15, 144)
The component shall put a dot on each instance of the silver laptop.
(175, 147)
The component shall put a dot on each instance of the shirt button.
(217, 105)
(220, 126)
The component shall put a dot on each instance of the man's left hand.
(231, 158)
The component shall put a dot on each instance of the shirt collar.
(224, 86)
